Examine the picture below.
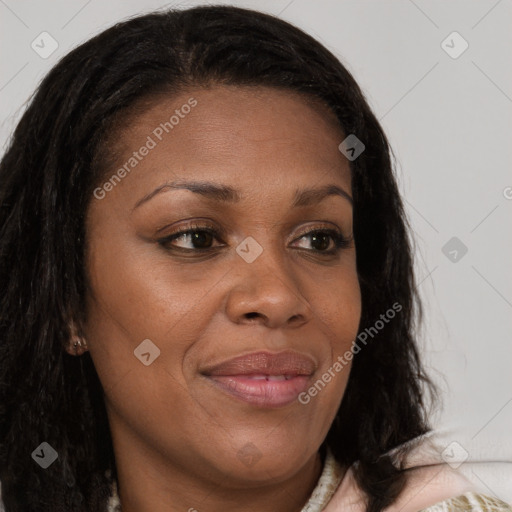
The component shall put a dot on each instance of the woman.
(181, 205)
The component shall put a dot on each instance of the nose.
(266, 291)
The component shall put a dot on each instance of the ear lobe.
(76, 345)
(69, 349)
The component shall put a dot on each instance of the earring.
(79, 346)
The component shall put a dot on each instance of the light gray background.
(449, 122)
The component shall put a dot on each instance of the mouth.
(263, 379)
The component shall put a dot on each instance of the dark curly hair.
(47, 176)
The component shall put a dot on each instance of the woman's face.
(164, 314)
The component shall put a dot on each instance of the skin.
(179, 442)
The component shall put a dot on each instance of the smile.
(262, 390)
(263, 379)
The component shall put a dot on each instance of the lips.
(263, 379)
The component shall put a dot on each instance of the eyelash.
(340, 241)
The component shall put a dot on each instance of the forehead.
(246, 137)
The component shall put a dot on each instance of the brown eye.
(320, 242)
(197, 238)
(322, 239)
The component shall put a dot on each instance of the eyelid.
(323, 226)
(220, 231)
(195, 223)
(195, 226)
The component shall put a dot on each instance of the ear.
(74, 337)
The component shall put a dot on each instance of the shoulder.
(470, 501)
(438, 488)
(431, 486)
(435, 488)
(425, 486)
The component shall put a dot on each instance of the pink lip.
(262, 378)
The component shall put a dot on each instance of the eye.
(326, 241)
(197, 237)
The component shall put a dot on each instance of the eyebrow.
(227, 194)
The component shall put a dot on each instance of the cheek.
(338, 309)
(138, 295)
(338, 313)
(145, 295)
(140, 307)
(336, 303)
